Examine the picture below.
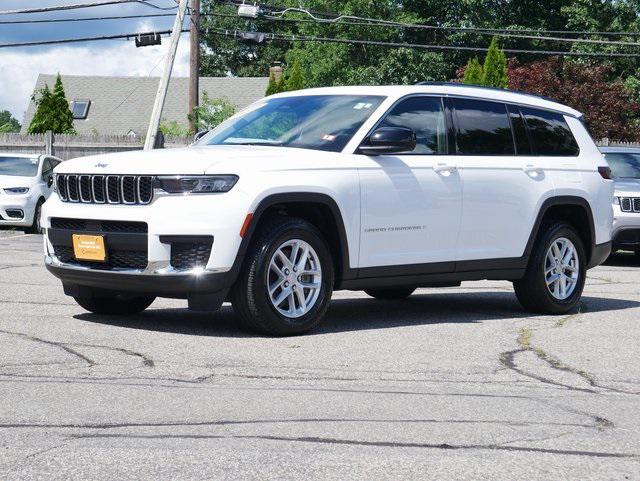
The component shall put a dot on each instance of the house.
(122, 105)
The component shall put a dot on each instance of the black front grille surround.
(630, 204)
(126, 242)
(105, 189)
(189, 251)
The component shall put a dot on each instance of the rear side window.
(550, 133)
(425, 116)
(483, 128)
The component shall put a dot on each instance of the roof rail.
(456, 84)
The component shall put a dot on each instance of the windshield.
(19, 166)
(624, 165)
(318, 122)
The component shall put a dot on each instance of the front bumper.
(625, 231)
(204, 290)
(22, 203)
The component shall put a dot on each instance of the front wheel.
(35, 227)
(286, 282)
(113, 303)
(556, 273)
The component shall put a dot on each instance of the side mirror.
(389, 140)
(50, 181)
(199, 135)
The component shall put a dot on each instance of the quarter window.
(425, 116)
(483, 128)
(550, 133)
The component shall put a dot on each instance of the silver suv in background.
(625, 166)
(26, 182)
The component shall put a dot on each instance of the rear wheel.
(100, 302)
(556, 273)
(391, 294)
(287, 279)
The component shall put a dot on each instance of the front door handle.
(444, 168)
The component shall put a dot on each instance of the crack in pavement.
(351, 442)
(146, 360)
(59, 345)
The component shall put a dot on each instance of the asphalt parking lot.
(450, 384)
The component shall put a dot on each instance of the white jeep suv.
(381, 189)
(26, 182)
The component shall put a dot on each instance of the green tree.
(52, 111)
(494, 72)
(473, 73)
(295, 80)
(8, 123)
(275, 86)
(173, 128)
(212, 112)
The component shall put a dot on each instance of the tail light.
(605, 173)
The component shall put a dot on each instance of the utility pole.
(154, 122)
(194, 64)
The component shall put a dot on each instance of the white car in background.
(625, 166)
(26, 182)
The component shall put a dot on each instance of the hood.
(7, 181)
(211, 159)
(627, 186)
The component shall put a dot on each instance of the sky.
(20, 66)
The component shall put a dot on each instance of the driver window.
(425, 116)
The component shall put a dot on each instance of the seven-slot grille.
(630, 204)
(105, 189)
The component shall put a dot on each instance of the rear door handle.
(444, 168)
(532, 170)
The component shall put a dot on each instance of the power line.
(126, 36)
(308, 38)
(85, 19)
(75, 6)
(331, 16)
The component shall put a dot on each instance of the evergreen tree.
(273, 85)
(52, 111)
(495, 67)
(295, 80)
(473, 73)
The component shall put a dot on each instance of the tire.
(532, 290)
(254, 305)
(391, 294)
(113, 303)
(35, 227)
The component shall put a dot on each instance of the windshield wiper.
(266, 142)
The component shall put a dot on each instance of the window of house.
(80, 108)
(550, 133)
(425, 116)
(483, 128)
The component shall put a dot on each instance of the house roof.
(123, 104)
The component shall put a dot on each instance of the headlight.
(17, 190)
(197, 184)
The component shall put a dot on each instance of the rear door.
(503, 182)
(411, 203)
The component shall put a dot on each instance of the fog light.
(15, 213)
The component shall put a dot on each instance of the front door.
(411, 203)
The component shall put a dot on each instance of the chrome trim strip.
(109, 200)
(157, 268)
(71, 199)
(80, 190)
(122, 179)
(100, 178)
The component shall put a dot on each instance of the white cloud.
(20, 68)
